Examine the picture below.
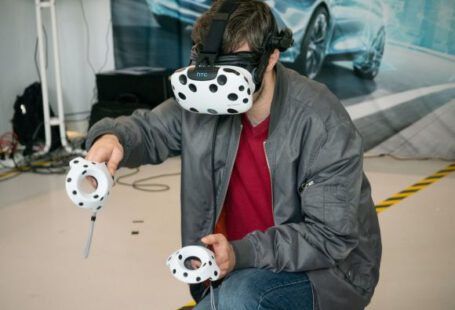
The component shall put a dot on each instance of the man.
(296, 227)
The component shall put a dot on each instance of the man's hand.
(224, 253)
(106, 149)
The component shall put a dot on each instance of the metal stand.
(59, 119)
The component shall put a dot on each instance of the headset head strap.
(213, 40)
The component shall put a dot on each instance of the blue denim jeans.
(261, 289)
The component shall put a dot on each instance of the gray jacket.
(325, 221)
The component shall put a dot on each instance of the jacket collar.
(279, 96)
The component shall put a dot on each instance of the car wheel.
(312, 52)
(366, 66)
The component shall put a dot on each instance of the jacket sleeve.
(147, 136)
(329, 202)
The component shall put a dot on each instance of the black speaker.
(149, 85)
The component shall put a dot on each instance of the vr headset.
(224, 84)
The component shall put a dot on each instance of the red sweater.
(248, 204)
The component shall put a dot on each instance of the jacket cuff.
(245, 256)
(97, 131)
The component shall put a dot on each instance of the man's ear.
(273, 59)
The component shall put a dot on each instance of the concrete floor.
(42, 237)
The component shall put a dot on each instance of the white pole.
(59, 120)
(43, 75)
(58, 80)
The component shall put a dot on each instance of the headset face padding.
(247, 60)
(241, 59)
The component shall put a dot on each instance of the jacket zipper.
(302, 188)
(305, 185)
(271, 183)
(313, 296)
(229, 177)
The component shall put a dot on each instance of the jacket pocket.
(328, 203)
(311, 194)
(339, 213)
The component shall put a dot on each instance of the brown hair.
(251, 22)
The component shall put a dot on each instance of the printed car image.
(324, 30)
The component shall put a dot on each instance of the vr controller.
(207, 270)
(80, 169)
(93, 201)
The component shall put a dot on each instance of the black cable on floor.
(141, 184)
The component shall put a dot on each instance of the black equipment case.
(120, 92)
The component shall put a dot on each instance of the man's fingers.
(101, 155)
(114, 161)
(195, 264)
(219, 244)
(107, 149)
(208, 240)
(92, 181)
(211, 239)
(98, 154)
(224, 253)
(112, 167)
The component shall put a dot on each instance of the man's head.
(251, 23)
(236, 48)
